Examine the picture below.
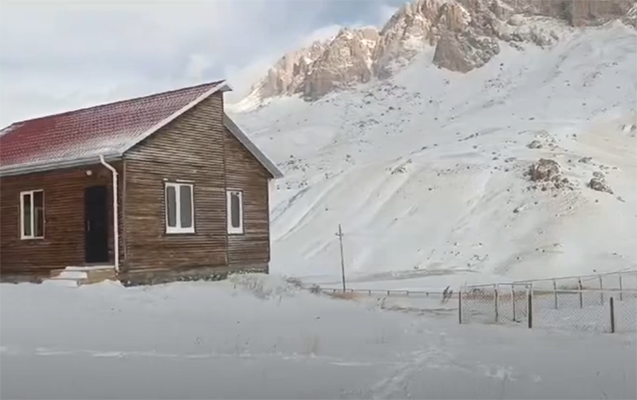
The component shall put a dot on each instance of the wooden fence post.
(460, 307)
(530, 307)
(612, 315)
(496, 302)
(601, 290)
(621, 288)
(581, 300)
(513, 300)
(555, 292)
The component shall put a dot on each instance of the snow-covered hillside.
(426, 171)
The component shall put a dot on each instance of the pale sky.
(60, 55)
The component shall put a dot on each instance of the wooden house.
(155, 188)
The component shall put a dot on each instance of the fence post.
(460, 307)
(555, 292)
(530, 307)
(581, 300)
(513, 300)
(601, 290)
(612, 315)
(621, 288)
(496, 302)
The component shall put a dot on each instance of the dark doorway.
(96, 224)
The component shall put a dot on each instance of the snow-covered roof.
(79, 137)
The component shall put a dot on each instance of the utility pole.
(340, 239)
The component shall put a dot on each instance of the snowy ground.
(425, 172)
(255, 337)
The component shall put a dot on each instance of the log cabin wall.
(189, 149)
(244, 173)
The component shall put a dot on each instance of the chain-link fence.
(525, 304)
(494, 304)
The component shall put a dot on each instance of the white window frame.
(231, 229)
(32, 235)
(178, 229)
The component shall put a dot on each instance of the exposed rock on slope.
(465, 33)
(548, 174)
(464, 51)
(598, 183)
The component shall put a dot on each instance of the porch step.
(76, 276)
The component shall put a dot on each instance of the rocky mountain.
(522, 169)
(465, 35)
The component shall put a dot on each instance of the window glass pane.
(235, 210)
(26, 215)
(38, 213)
(185, 206)
(171, 206)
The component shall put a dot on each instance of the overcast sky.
(60, 55)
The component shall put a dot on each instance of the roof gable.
(252, 148)
(80, 137)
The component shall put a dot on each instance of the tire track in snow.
(397, 379)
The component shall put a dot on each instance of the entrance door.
(96, 224)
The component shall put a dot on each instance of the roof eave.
(30, 168)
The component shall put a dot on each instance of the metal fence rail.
(618, 280)
(388, 293)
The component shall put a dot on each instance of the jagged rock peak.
(466, 35)
(345, 61)
(414, 27)
(289, 71)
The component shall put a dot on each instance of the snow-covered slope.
(426, 170)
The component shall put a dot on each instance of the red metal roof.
(107, 129)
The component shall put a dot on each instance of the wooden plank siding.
(245, 173)
(189, 148)
(64, 238)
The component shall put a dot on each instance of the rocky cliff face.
(346, 60)
(466, 35)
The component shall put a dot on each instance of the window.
(32, 214)
(235, 211)
(180, 208)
